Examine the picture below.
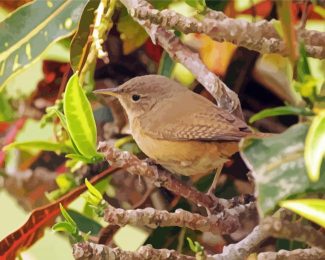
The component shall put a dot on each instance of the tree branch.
(225, 97)
(133, 165)
(301, 254)
(93, 251)
(243, 248)
(259, 36)
(225, 222)
(293, 231)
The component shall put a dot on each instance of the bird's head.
(140, 94)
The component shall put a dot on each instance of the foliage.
(37, 30)
(312, 209)
(288, 168)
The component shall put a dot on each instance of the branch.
(258, 36)
(244, 248)
(225, 222)
(225, 97)
(133, 165)
(301, 254)
(293, 231)
(93, 251)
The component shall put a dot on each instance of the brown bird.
(177, 128)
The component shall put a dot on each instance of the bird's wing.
(203, 121)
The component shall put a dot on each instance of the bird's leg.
(215, 181)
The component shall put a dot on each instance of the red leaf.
(40, 218)
(153, 51)
(262, 9)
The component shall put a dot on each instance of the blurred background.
(261, 81)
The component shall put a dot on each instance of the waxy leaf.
(64, 227)
(80, 119)
(27, 33)
(312, 209)
(278, 167)
(315, 147)
(280, 111)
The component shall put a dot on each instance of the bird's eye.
(136, 98)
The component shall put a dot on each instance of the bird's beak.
(108, 91)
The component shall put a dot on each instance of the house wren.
(179, 129)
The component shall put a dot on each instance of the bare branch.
(226, 222)
(224, 96)
(259, 36)
(293, 231)
(243, 248)
(93, 251)
(301, 254)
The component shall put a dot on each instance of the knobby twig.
(301, 254)
(226, 222)
(259, 36)
(243, 248)
(293, 231)
(224, 96)
(93, 251)
(133, 165)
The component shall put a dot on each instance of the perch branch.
(225, 222)
(163, 178)
(301, 254)
(224, 96)
(259, 36)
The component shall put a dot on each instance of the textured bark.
(301, 254)
(293, 231)
(223, 223)
(93, 251)
(259, 36)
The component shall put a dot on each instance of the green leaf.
(78, 48)
(93, 191)
(85, 224)
(39, 145)
(166, 65)
(285, 16)
(280, 111)
(199, 5)
(312, 209)
(80, 119)
(63, 121)
(67, 217)
(195, 246)
(65, 181)
(64, 227)
(6, 112)
(315, 147)
(278, 167)
(29, 31)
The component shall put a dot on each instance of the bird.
(177, 128)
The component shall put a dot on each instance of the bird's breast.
(185, 157)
